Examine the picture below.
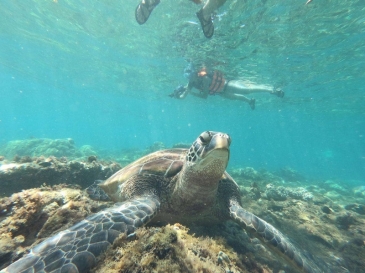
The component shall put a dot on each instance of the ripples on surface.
(315, 52)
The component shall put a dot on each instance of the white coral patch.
(8, 167)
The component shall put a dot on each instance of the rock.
(224, 261)
(91, 158)
(333, 195)
(345, 220)
(326, 209)
(335, 186)
(358, 208)
(45, 163)
(359, 191)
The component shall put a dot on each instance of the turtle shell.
(165, 163)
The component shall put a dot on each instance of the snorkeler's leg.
(206, 24)
(211, 5)
(144, 9)
(233, 96)
(241, 87)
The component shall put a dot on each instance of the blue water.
(87, 71)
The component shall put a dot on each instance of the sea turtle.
(175, 185)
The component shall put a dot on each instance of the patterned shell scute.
(165, 163)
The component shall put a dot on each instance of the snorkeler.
(214, 83)
(145, 7)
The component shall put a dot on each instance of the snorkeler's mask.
(189, 71)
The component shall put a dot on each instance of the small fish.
(191, 22)
(219, 16)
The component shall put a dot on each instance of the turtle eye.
(229, 139)
(205, 137)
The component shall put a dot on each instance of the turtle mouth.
(221, 153)
(216, 157)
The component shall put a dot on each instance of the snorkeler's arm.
(201, 94)
(188, 88)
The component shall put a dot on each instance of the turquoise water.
(86, 70)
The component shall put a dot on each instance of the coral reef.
(29, 216)
(169, 249)
(332, 185)
(359, 191)
(41, 147)
(325, 217)
(330, 229)
(281, 193)
(248, 173)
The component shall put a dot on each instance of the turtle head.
(205, 163)
(209, 153)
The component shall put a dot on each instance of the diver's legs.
(144, 9)
(205, 16)
(210, 6)
(233, 96)
(241, 87)
(237, 89)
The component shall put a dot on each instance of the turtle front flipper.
(272, 236)
(75, 249)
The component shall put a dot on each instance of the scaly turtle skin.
(176, 185)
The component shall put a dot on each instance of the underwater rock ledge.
(27, 172)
